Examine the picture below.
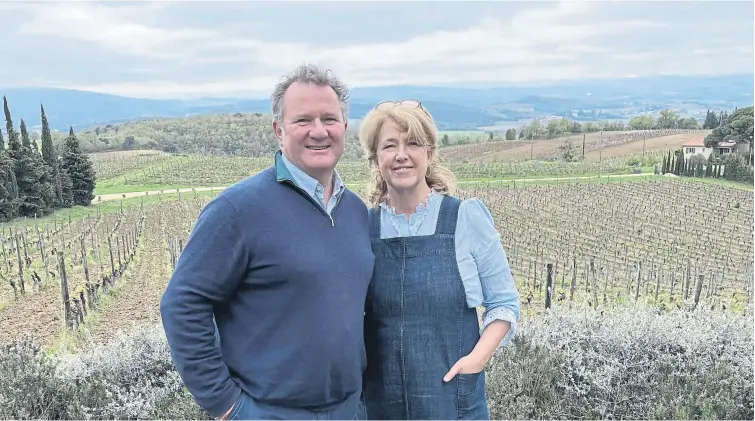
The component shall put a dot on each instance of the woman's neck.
(405, 202)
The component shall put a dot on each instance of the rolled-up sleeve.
(493, 280)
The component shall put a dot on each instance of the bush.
(573, 364)
(132, 377)
(634, 364)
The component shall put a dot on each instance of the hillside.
(238, 134)
(649, 145)
(552, 149)
(456, 108)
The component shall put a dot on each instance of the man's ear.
(278, 130)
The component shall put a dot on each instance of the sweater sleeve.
(209, 269)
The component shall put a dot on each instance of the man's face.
(312, 133)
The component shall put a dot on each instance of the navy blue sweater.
(286, 286)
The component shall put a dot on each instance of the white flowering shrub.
(631, 364)
(570, 364)
(132, 377)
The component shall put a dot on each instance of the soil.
(138, 296)
(35, 315)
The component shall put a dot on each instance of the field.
(616, 243)
(649, 146)
(210, 171)
(660, 241)
(642, 248)
(523, 150)
(110, 164)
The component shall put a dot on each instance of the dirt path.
(118, 196)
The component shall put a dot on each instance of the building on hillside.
(696, 146)
(725, 148)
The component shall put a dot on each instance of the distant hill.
(455, 108)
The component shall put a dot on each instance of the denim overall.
(417, 325)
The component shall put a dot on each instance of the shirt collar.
(308, 183)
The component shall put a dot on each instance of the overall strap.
(447, 216)
(374, 221)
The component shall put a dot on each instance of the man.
(280, 262)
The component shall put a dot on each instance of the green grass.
(720, 182)
(81, 212)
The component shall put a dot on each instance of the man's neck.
(327, 186)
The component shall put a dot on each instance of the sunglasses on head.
(387, 105)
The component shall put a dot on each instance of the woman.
(436, 259)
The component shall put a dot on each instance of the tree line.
(540, 129)
(239, 134)
(733, 167)
(36, 181)
(250, 134)
(737, 127)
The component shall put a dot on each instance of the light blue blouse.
(483, 265)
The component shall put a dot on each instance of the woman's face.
(402, 162)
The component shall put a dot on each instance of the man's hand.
(470, 364)
(228, 412)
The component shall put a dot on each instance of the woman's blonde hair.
(420, 127)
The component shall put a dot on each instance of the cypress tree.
(29, 175)
(679, 170)
(50, 157)
(709, 167)
(66, 186)
(79, 168)
(8, 187)
(42, 184)
(665, 164)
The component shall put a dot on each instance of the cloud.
(191, 49)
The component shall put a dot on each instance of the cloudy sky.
(198, 48)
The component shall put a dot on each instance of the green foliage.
(738, 127)
(8, 187)
(667, 119)
(569, 151)
(711, 121)
(79, 168)
(249, 135)
(736, 169)
(33, 183)
(33, 187)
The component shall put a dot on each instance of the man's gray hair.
(309, 73)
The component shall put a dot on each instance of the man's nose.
(318, 130)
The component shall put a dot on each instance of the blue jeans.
(247, 408)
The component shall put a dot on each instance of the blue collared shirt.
(314, 188)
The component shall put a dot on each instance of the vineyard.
(210, 171)
(497, 159)
(664, 243)
(54, 275)
(112, 164)
(550, 150)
